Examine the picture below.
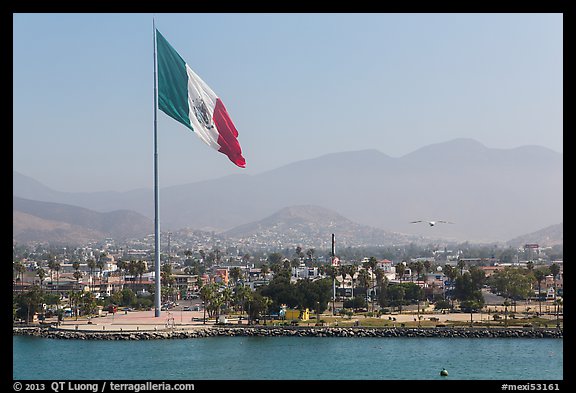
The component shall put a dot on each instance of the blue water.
(277, 358)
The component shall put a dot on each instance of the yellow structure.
(304, 315)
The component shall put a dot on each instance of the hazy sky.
(297, 86)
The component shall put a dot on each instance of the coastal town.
(109, 287)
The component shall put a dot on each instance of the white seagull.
(432, 223)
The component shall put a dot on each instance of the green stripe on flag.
(172, 82)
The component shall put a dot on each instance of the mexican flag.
(185, 97)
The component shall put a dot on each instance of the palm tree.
(332, 272)
(75, 297)
(136, 268)
(298, 252)
(343, 270)
(558, 302)
(264, 270)
(451, 273)
(241, 294)
(188, 254)
(77, 273)
(41, 275)
(364, 281)
(216, 252)
(91, 263)
(352, 269)
(249, 299)
(51, 265)
(204, 296)
(371, 264)
(294, 264)
(266, 302)
(419, 268)
(131, 270)
(57, 268)
(461, 265)
(381, 283)
(166, 278)
(100, 266)
(227, 296)
(19, 268)
(400, 269)
(77, 276)
(539, 275)
(235, 274)
(412, 267)
(554, 270)
(427, 266)
(310, 253)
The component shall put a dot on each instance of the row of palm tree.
(218, 297)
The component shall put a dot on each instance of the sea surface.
(289, 358)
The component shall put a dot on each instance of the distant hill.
(547, 237)
(490, 194)
(307, 224)
(35, 221)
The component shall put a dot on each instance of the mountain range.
(36, 221)
(489, 194)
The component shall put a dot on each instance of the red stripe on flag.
(227, 138)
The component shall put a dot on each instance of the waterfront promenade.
(129, 321)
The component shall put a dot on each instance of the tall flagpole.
(157, 295)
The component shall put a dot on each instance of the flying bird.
(432, 223)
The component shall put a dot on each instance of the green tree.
(77, 276)
(235, 274)
(355, 303)
(227, 296)
(396, 294)
(281, 291)
(167, 280)
(41, 273)
(122, 267)
(512, 283)
(312, 294)
(264, 270)
(74, 298)
(266, 302)
(400, 269)
(57, 268)
(213, 299)
(332, 272)
(275, 258)
(29, 303)
(100, 265)
(364, 281)
(91, 263)
(88, 303)
(19, 268)
(555, 271)
(461, 265)
(539, 276)
(310, 254)
(558, 302)
(241, 295)
(382, 285)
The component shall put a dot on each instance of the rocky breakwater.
(264, 331)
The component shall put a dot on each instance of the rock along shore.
(216, 331)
